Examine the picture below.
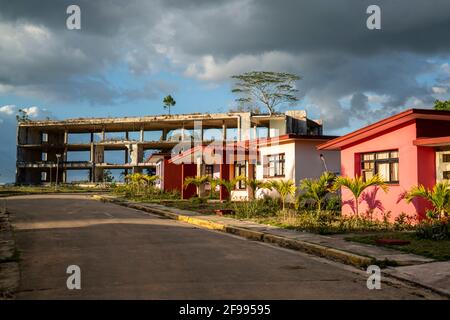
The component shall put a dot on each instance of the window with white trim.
(384, 163)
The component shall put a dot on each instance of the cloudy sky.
(129, 55)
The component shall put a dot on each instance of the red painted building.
(410, 148)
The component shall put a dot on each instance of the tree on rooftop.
(266, 89)
(442, 105)
(22, 116)
(169, 102)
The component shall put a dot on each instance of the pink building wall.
(416, 166)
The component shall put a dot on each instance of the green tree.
(284, 188)
(318, 189)
(442, 105)
(213, 183)
(439, 197)
(197, 181)
(266, 89)
(357, 186)
(107, 176)
(22, 116)
(169, 102)
(231, 184)
(256, 185)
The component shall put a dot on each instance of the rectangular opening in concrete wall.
(78, 156)
(134, 135)
(213, 134)
(115, 136)
(115, 156)
(78, 138)
(232, 134)
(114, 175)
(261, 132)
(155, 135)
(77, 176)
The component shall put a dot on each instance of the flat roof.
(212, 120)
(383, 125)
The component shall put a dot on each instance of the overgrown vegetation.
(439, 250)
(6, 191)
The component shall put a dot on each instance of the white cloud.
(8, 109)
(211, 69)
(439, 90)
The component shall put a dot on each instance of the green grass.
(7, 191)
(202, 208)
(435, 249)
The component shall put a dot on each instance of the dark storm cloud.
(326, 42)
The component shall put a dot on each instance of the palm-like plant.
(256, 185)
(137, 180)
(317, 189)
(357, 186)
(197, 181)
(231, 184)
(149, 179)
(439, 197)
(284, 188)
(213, 183)
(169, 101)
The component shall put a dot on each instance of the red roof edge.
(399, 118)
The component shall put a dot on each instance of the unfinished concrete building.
(50, 150)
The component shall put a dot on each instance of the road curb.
(295, 244)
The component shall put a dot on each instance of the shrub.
(317, 190)
(433, 229)
(439, 197)
(198, 200)
(403, 222)
(257, 208)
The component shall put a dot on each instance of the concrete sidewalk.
(409, 267)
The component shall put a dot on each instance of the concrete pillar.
(182, 132)
(255, 132)
(99, 154)
(92, 155)
(136, 153)
(239, 129)
(66, 137)
(250, 175)
(98, 174)
(103, 135)
(224, 131)
(164, 134)
(201, 172)
(141, 138)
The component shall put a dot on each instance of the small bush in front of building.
(256, 208)
(433, 229)
(198, 200)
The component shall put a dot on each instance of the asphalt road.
(128, 254)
